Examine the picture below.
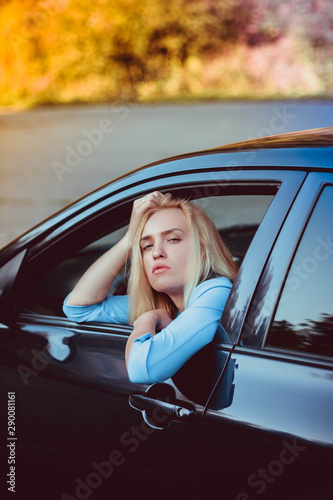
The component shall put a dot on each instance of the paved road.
(52, 156)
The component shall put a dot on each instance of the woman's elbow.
(137, 375)
(69, 314)
(137, 363)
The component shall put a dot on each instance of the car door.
(76, 433)
(275, 438)
(76, 423)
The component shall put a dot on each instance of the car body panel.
(272, 436)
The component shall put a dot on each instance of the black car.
(250, 415)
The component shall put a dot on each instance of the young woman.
(180, 278)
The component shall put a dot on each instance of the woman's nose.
(158, 251)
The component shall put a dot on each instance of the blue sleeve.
(156, 358)
(113, 309)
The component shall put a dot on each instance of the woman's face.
(165, 245)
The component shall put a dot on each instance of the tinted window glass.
(237, 218)
(304, 318)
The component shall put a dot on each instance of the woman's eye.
(147, 247)
(174, 239)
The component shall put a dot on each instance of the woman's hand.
(160, 318)
(149, 322)
(140, 207)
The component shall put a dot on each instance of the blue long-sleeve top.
(155, 358)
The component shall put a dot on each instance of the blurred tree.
(67, 50)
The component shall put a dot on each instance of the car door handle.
(142, 402)
(159, 406)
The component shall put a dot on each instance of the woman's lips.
(160, 268)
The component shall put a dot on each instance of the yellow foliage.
(88, 50)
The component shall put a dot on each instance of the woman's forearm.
(96, 282)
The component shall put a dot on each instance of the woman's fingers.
(151, 198)
(140, 207)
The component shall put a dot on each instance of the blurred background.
(91, 89)
(65, 51)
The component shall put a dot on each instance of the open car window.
(54, 287)
(237, 218)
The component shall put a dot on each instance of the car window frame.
(286, 183)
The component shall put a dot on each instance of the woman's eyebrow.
(163, 233)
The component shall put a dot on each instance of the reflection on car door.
(77, 431)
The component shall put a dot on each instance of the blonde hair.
(208, 257)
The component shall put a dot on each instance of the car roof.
(318, 137)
